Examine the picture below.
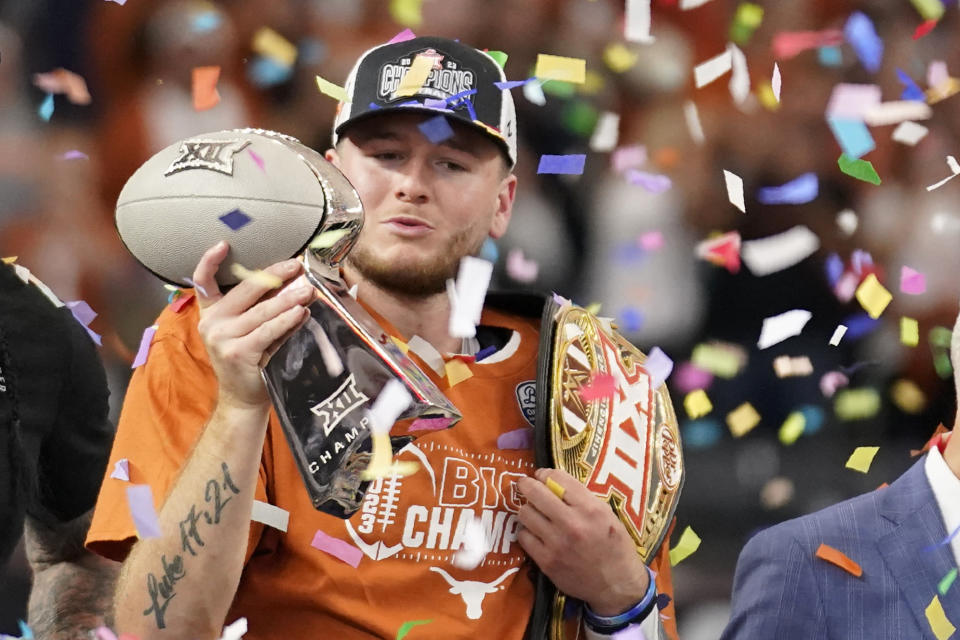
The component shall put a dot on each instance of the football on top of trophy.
(265, 193)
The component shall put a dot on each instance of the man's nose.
(412, 182)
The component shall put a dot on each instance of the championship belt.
(323, 410)
(624, 448)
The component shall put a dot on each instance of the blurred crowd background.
(593, 237)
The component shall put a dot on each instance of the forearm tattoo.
(161, 589)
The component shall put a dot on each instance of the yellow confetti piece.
(593, 308)
(908, 397)
(592, 85)
(792, 428)
(697, 404)
(872, 296)
(560, 68)
(10, 259)
(767, 98)
(415, 76)
(406, 13)
(742, 420)
(335, 91)
(861, 458)
(327, 239)
(260, 277)
(942, 91)
(721, 360)
(688, 543)
(856, 404)
(909, 331)
(937, 617)
(271, 44)
(381, 461)
(555, 487)
(618, 57)
(928, 9)
(400, 343)
(457, 371)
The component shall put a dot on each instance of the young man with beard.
(198, 426)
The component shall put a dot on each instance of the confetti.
(776, 82)
(924, 28)
(407, 626)
(339, 549)
(205, 94)
(830, 56)
(606, 133)
(689, 377)
(261, 278)
(837, 335)
(103, 633)
(140, 501)
(513, 84)
(650, 241)
(426, 352)
(887, 113)
(389, 405)
(403, 36)
(859, 169)
(742, 420)
(562, 164)
(928, 9)
(457, 371)
(658, 365)
(430, 424)
(271, 44)
(856, 404)
(628, 158)
(686, 5)
(382, 464)
(910, 89)
(861, 459)
(872, 296)
(745, 21)
(636, 27)
(909, 332)
(798, 191)
(520, 268)
(327, 239)
(516, 439)
(560, 68)
(909, 133)
(777, 492)
(778, 328)
(144, 350)
(555, 488)
(415, 76)
(721, 359)
(735, 190)
(65, 82)
(600, 386)
(792, 428)
(121, 470)
(937, 617)
(533, 92)
(833, 556)
(853, 136)
(912, 282)
(778, 252)
(235, 219)
(697, 404)
(740, 77)
(947, 581)
(652, 182)
(852, 101)
(788, 44)
(908, 397)
(436, 129)
(954, 170)
(236, 629)
(708, 71)
(692, 118)
(618, 57)
(45, 110)
(467, 296)
(862, 36)
(831, 381)
(407, 12)
(270, 515)
(331, 89)
(688, 543)
(787, 367)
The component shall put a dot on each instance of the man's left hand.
(580, 544)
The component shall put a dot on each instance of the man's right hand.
(242, 327)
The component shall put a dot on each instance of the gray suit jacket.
(783, 592)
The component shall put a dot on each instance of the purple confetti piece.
(652, 182)
(140, 500)
(337, 548)
(144, 349)
(834, 268)
(859, 260)
(690, 377)
(193, 284)
(403, 36)
(663, 601)
(798, 191)
(463, 97)
(512, 84)
(121, 470)
(81, 311)
(374, 105)
(430, 424)
(74, 155)
(517, 439)
(658, 365)
(257, 159)
(566, 164)
(862, 36)
(859, 325)
(235, 219)
(486, 352)
(435, 103)
(436, 130)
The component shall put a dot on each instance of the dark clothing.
(55, 434)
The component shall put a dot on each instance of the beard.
(423, 279)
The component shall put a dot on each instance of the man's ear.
(503, 206)
(332, 157)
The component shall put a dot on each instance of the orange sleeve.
(661, 565)
(167, 404)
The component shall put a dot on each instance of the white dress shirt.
(946, 489)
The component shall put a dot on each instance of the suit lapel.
(910, 505)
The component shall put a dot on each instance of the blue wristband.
(636, 613)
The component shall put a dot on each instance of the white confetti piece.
(778, 328)
(121, 470)
(686, 5)
(533, 91)
(636, 27)
(909, 133)
(735, 190)
(692, 116)
(390, 403)
(473, 547)
(787, 367)
(706, 72)
(847, 221)
(954, 168)
(606, 133)
(270, 515)
(467, 303)
(235, 630)
(896, 112)
(740, 77)
(426, 352)
(775, 253)
(776, 82)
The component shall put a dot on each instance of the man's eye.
(453, 166)
(386, 155)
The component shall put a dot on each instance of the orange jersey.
(407, 529)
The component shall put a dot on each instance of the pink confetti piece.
(520, 268)
(516, 439)
(690, 377)
(144, 349)
(177, 305)
(912, 282)
(103, 633)
(121, 470)
(430, 424)
(74, 155)
(140, 500)
(650, 241)
(601, 385)
(628, 158)
(831, 381)
(257, 159)
(403, 36)
(787, 44)
(337, 548)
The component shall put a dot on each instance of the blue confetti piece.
(631, 319)
(629, 252)
(663, 601)
(943, 542)
(489, 251)
(25, 631)
(46, 108)
(911, 91)
(860, 259)
(436, 130)
(701, 434)
(862, 36)
(463, 97)
(311, 51)
(852, 136)
(813, 418)
(830, 56)
(206, 22)
(512, 84)
(486, 352)
(567, 165)
(267, 72)
(859, 325)
(798, 191)
(374, 105)
(834, 266)
(235, 219)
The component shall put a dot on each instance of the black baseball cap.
(460, 85)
